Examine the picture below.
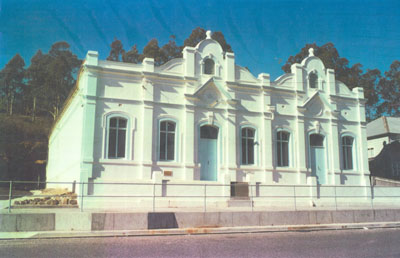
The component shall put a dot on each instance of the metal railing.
(209, 193)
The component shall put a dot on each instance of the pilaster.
(363, 154)
(231, 144)
(149, 134)
(334, 158)
(89, 93)
(189, 57)
(301, 147)
(148, 65)
(297, 70)
(229, 67)
(264, 79)
(268, 150)
(362, 139)
(188, 145)
(330, 81)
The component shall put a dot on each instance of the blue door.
(317, 157)
(208, 153)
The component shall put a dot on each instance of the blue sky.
(263, 34)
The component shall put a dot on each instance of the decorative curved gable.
(242, 74)
(313, 64)
(174, 66)
(284, 80)
(342, 89)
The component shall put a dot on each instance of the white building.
(204, 119)
(382, 131)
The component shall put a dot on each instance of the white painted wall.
(229, 99)
(65, 143)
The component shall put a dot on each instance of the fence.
(209, 195)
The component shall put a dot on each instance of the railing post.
(294, 195)
(372, 197)
(335, 198)
(251, 198)
(73, 186)
(205, 197)
(9, 197)
(154, 197)
(82, 192)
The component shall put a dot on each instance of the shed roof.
(383, 125)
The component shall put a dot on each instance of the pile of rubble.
(49, 197)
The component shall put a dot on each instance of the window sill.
(121, 161)
(171, 163)
(348, 170)
(286, 169)
(250, 167)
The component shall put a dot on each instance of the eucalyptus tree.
(12, 82)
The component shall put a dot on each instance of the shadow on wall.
(276, 176)
(97, 170)
(343, 179)
(161, 220)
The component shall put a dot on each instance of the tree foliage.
(11, 82)
(117, 51)
(199, 34)
(195, 37)
(60, 78)
(218, 36)
(389, 91)
(40, 89)
(36, 77)
(24, 144)
(170, 51)
(53, 74)
(132, 56)
(165, 53)
(152, 50)
(369, 81)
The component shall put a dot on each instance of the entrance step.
(240, 203)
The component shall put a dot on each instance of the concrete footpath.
(72, 223)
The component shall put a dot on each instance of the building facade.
(204, 119)
(380, 132)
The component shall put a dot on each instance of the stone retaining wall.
(85, 221)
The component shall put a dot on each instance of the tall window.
(313, 79)
(283, 148)
(167, 140)
(316, 140)
(117, 137)
(248, 146)
(209, 66)
(347, 149)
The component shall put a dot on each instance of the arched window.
(347, 152)
(282, 148)
(209, 66)
(167, 140)
(313, 80)
(248, 146)
(117, 137)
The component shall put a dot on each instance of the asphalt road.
(325, 244)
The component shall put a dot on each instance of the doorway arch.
(208, 152)
(317, 157)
